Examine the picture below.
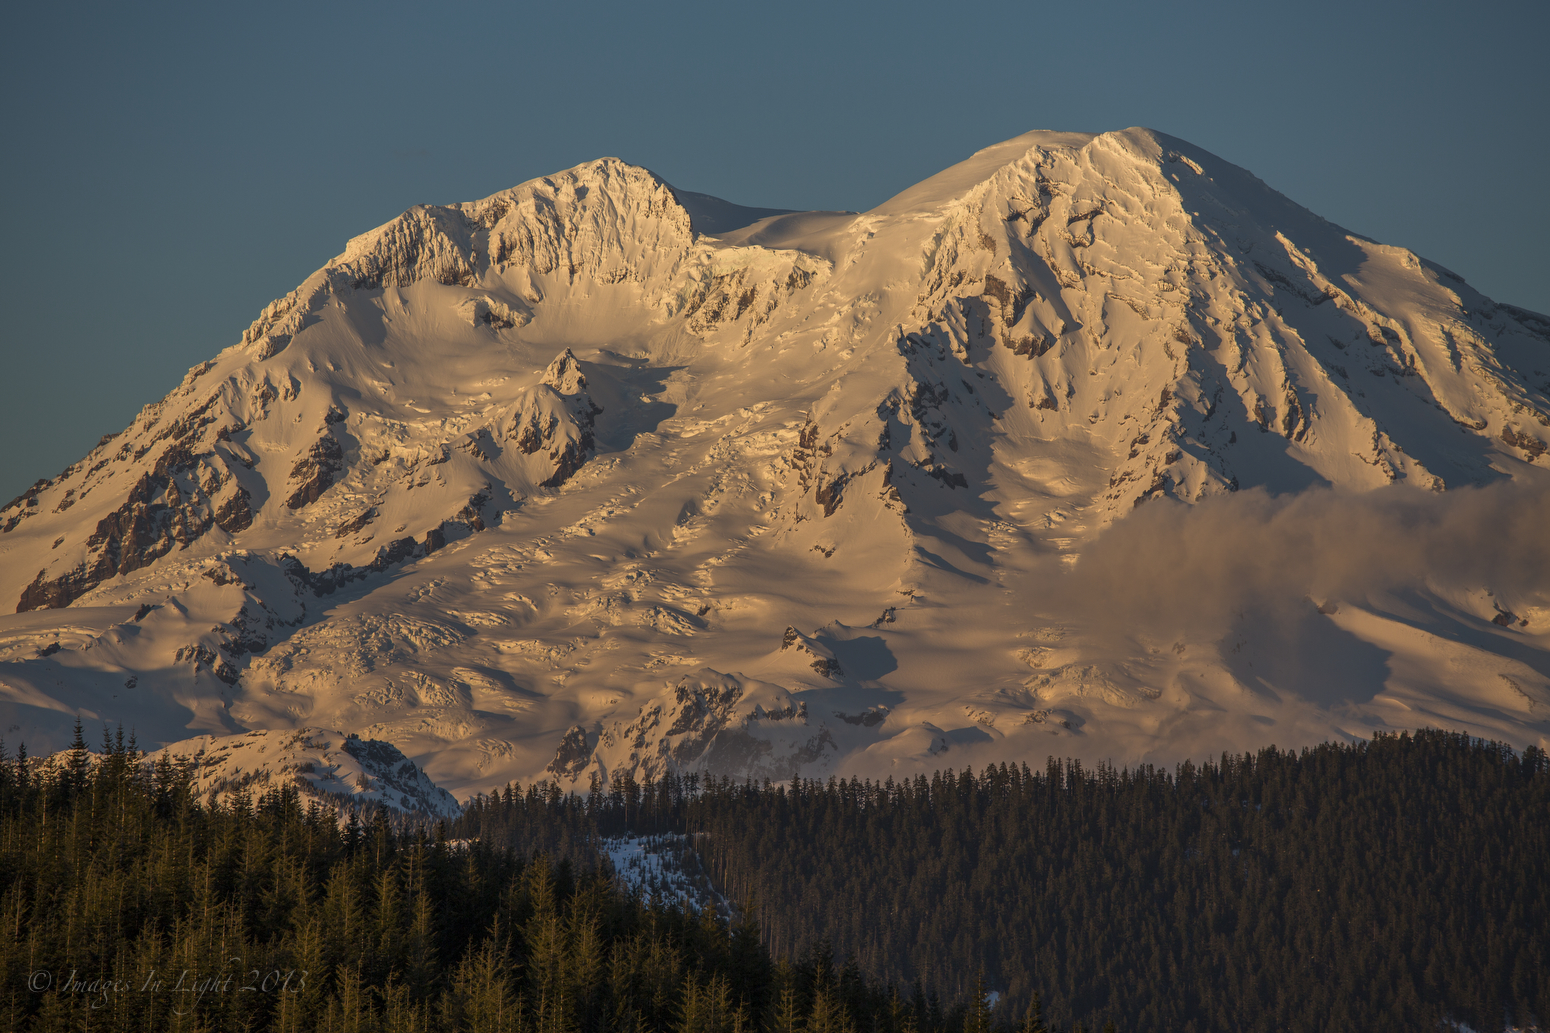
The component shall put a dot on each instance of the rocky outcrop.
(314, 472)
(236, 513)
(24, 503)
(573, 755)
(868, 718)
(720, 724)
(428, 242)
(818, 656)
(472, 513)
(1531, 446)
(282, 319)
(350, 527)
(555, 420)
(250, 632)
(204, 658)
(167, 508)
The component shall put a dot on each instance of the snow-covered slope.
(586, 476)
(339, 772)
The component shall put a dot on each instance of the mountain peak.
(574, 469)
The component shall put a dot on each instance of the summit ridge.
(594, 477)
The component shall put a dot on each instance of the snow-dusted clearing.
(587, 478)
(662, 867)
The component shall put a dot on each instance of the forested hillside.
(1383, 885)
(126, 906)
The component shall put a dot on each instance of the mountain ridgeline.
(1090, 445)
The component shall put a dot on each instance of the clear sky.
(169, 168)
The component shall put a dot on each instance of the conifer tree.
(1033, 1022)
(421, 957)
(977, 1017)
(828, 1014)
(78, 763)
(787, 1018)
(482, 999)
(544, 941)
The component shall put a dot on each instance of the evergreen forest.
(127, 905)
(1389, 884)
(1394, 884)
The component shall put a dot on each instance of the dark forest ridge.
(1394, 884)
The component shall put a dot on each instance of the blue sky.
(171, 168)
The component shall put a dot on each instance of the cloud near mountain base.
(1171, 571)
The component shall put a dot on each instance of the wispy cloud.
(1171, 570)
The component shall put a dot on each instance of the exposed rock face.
(472, 513)
(572, 756)
(722, 724)
(204, 657)
(1531, 446)
(169, 506)
(24, 504)
(818, 656)
(425, 243)
(236, 513)
(350, 527)
(315, 471)
(556, 419)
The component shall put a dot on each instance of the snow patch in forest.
(664, 867)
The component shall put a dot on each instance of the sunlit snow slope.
(559, 483)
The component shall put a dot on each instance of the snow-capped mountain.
(596, 476)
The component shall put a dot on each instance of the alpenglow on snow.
(1089, 445)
